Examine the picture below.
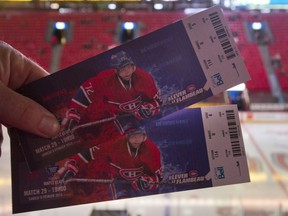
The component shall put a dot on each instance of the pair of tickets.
(126, 129)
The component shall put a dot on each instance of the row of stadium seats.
(93, 33)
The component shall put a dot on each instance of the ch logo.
(131, 106)
(131, 174)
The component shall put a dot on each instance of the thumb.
(25, 114)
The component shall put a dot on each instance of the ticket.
(190, 149)
(147, 79)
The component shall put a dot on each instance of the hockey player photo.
(130, 166)
(122, 89)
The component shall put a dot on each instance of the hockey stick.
(66, 132)
(115, 117)
(164, 106)
(104, 181)
(101, 121)
(118, 181)
(83, 180)
(108, 119)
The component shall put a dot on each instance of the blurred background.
(58, 34)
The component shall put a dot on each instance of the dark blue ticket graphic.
(175, 153)
(146, 79)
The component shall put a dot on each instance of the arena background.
(57, 34)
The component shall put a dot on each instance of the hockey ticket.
(146, 79)
(190, 149)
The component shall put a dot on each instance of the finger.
(16, 69)
(25, 114)
(31, 70)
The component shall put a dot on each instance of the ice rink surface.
(266, 142)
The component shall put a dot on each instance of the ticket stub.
(189, 149)
(148, 78)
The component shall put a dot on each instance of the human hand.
(146, 111)
(68, 171)
(71, 120)
(16, 110)
(145, 183)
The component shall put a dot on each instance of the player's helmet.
(134, 128)
(121, 59)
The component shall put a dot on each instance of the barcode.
(233, 133)
(222, 35)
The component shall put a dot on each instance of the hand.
(69, 170)
(147, 110)
(16, 110)
(72, 119)
(72, 123)
(145, 183)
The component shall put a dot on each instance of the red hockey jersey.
(105, 95)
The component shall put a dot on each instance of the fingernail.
(48, 126)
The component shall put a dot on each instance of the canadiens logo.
(131, 106)
(191, 88)
(52, 169)
(193, 173)
(131, 174)
(189, 92)
(186, 178)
